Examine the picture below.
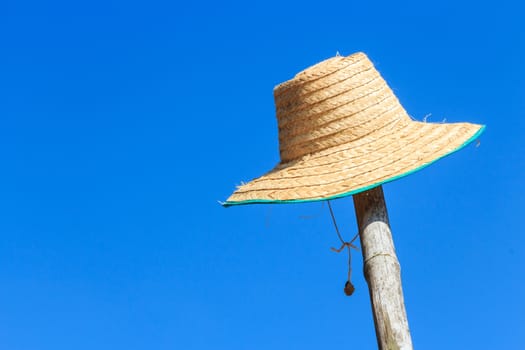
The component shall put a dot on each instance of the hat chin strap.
(349, 287)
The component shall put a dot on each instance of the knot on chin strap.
(349, 287)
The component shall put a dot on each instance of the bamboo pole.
(382, 271)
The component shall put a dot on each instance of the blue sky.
(123, 123)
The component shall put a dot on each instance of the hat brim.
(357, 166)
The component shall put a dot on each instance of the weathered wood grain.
(382, 271)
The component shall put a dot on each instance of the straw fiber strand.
(345, 110)
(326, 68)
(320, 89)
(342, 130)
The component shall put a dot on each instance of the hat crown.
(334, 102)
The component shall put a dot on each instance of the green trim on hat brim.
(362, 189)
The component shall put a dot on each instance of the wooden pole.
(382, 271)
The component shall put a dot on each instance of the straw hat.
(343, 131)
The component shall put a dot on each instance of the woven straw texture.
(342, 131)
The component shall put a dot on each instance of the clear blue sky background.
(122, 123)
